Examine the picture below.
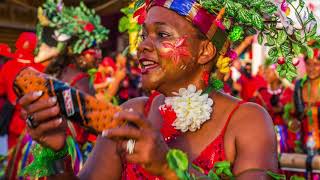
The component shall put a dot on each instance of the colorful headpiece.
(193, 12)
(79, 25)
(237, 19)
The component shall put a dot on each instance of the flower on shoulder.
(192, 108)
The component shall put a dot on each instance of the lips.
(147, 65)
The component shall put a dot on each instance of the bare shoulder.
(251, 115)
(137, 104)
(251, 126)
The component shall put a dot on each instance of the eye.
(164, 34)
(143, 36)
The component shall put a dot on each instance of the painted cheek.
(176, 51)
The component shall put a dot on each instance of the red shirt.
(8, 73)
(250, 86)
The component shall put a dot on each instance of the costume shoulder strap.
(231, 115)
(149, 102)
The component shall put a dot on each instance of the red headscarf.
(26, 44)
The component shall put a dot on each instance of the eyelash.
(163, 35)
(160, 34)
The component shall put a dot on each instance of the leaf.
(268, 8)
(260, 38)
(222, 164)
(270, 40)
(227, 23)
(296, 178)
(228, 172)
(296, 48)
(213, 176)
(276, 176)
(219, 171)
(178, 160)
(282, 37)
(124, 24)
(251, 31)
(197, 168)
(273, 52)
(256, 20)
(244, 15)
(309, 51)
(138, 4)
(298, 35)
(285, 49)
(313, 31)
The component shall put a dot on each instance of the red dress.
(213, 153)
(250, 86)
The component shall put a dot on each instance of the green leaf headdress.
(79, 27)
(285, 26)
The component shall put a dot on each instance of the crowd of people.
(187, 107)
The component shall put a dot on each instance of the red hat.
(27, 37)
(5, 51)
(109, 62)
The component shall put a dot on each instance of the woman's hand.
(150, 149)
(49, 128)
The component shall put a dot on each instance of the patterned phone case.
(75, 105)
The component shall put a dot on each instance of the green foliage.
(297, 178)
(80, 23)
(243, 18)
(178, 161)
(276, 176)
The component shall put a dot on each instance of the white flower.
(191, 107)
(61, 37)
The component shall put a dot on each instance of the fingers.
(29, 98)
(46, 114)
(41, 105)
(122, 133)
(133, 117)
(51, 125)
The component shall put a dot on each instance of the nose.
(146, 45)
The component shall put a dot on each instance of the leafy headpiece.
(79, 25)
(286, 25)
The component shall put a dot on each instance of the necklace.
(274, 92)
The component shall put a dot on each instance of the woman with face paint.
(181, 43)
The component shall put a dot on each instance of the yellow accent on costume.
(43, 20)
(133, 35)
(223, 64)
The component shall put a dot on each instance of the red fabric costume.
(250, 86)
(286, 138)
(213, 153)
(22, 57)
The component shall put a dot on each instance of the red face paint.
(176, 50)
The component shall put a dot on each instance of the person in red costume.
(273, 98)
(22, 57)
(248, 84)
